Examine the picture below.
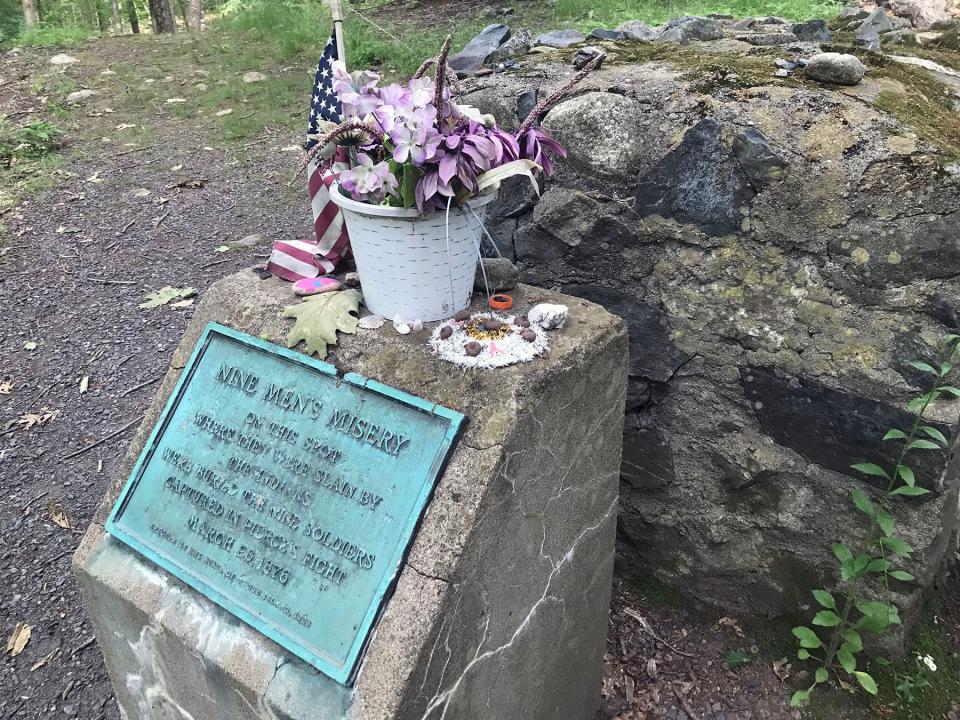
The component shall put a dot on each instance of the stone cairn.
(771, 207)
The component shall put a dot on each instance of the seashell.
(371, 322)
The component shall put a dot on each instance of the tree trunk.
(132, 17)
(162, 16)
(196, 14)
(117, 24)
(30, 12)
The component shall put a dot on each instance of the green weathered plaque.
(284, 493)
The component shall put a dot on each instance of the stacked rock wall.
(780, 250)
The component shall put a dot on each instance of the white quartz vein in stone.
(441, 701)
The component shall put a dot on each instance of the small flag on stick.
(303, 259)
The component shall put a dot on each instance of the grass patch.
(588, 15)
(66, 36)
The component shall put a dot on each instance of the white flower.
(928, 661)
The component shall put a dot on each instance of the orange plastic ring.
(501, 302)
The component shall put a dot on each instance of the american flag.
(295, 260)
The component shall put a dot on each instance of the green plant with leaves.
(911, 683)
(836, 639)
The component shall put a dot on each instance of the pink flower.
(369, 182)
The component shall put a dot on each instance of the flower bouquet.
(421, 169)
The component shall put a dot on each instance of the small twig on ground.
(141, 386)
(215, 262)
(105, 281)
(101, 441)
(125, 360)
(126, 227)
(685, 705)
(84, 645)
(44, 392)
(645, 626)
(137, 149)
(160, 220)
(38, 497)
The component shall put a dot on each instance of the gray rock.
(475, 54)
(922, 13)
(80, 96)
(638, 30)
(764, 39)
(774, 20)
(62, 59)
(744, 24)
(853, 11)
(837, 68)
(254, 77)
(604, 34)
(760, 163)
(812, 31)
(583, 125)
(501, 274)
(697, 182)
(584, 55)
(517, 46)
(901, 37)
(526, 102)
(561, 38)
(869, 31)
(685, 29)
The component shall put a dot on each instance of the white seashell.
(371, 322)
(547, 316)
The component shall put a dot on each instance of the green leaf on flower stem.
(871, 469)
(895, 435)
(951, 390)
(885, 521)
(821, 675)
(408, 186)
(878, 565)
(902, 576)
(803, 654)
(807, 637)
(860, 563)
(925, 367)
(923, 445)
(800, 697)
(866, 682)
(917, 404)
(909, 491)
(882, 661)
(907, 474)
(945, 368)
(842, 552)
(935, 434)
(846, 660)
(847, 569)
(862, 502)
(825, 599)
(852, 640)
(877, 615)
(826, 618)
(736, 659)
(896, 546)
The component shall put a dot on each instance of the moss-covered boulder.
(781, 249)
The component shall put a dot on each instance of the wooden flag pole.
(337, 13)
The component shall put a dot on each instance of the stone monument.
(498, 606)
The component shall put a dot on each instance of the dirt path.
(127, 219)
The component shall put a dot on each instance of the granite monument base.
(500, 610)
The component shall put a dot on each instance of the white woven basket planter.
(406, 265)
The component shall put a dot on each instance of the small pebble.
(445, 332)
(463, 315)
(528, 335)
(492, 324)
(472, 348)
(521, 321)
(351, 280)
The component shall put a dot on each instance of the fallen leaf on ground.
(67, 229)
(58, 515)
(182, 304)
(19, 639)
(166, 295)
(95, 178)
(732, 624)
(84, 384)
(36, 419)
(176, 168)
(141, 193)
(6, 387)
(124, 126)
(222, 248)
(652, 669)
(30, 345)
(318, 319)
(227, 111)
(40, 663)
(736, 659)
(781, 668)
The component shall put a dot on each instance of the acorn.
(528, 335)
(492, 324)
(463, 315)
(445, 332)
(521, 321)
(472, 348)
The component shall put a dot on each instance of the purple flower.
(369, 182)
(537, 145)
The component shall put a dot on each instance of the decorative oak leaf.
(320, 317)
(165, 295)
(19, 639)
